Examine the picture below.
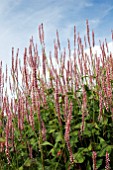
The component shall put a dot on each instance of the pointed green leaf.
(2, 140)
(27, 163)
(46, 143)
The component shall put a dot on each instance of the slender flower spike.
(93, 39)
(0, 85)
(58, 41)
(107, 167)
(94, 155)
(88, 32)
(67, 130)
(100, 105)
(57, 102)
(7, 143)
(84, 109)
(43, 130)
(74, 36)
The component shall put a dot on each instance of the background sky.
(19, 20)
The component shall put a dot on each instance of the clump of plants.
(56, 109)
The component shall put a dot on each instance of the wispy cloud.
(7, 6)
(19, 20)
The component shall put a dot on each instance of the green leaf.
(89, 147)
(102, 152)
(1, 130)
(107, 148)
(59, 137)
(77, 126)
(2, 140)
(60, 100)
(87, 133)
(27, 163)
(21, 146)
(88, 166)
(75, 133)
(96, 126)
(52, 151)
(105, 121)
(52, 130)
(99, 163)
(79, 158)
(22, 153)
(46, 143)
(102, 142)
(32, 141)
(21, 168)
(95, 131)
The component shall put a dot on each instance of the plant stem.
(40, 147)
(42, 156)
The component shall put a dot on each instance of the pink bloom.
(94, 155)
(67, 130)
(107, 167)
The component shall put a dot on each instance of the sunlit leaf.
(46, 143)
(2, 140)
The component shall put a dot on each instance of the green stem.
(40, 147)
(41, 150)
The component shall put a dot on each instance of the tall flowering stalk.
(66, 108)
(0, 85)
(43, 130)
(94, 155)
(67, 131)
(108, 82)
(8, 129)
(40, 135)
(31, 118)
(41, 34)
(56, 52)
(7, 143)
(88, 33)
(84, 109)
(107, 167)
(100, 105)
(57, 103)
(58, 40)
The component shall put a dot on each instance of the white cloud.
(7, 6)
(107, 10)
(17, 29)
(19, 24)
(88, 4)
(97, 50)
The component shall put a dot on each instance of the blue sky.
(19, 20)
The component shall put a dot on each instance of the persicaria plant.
(56, 109)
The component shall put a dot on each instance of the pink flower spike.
(94, 155)
(107, 167)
